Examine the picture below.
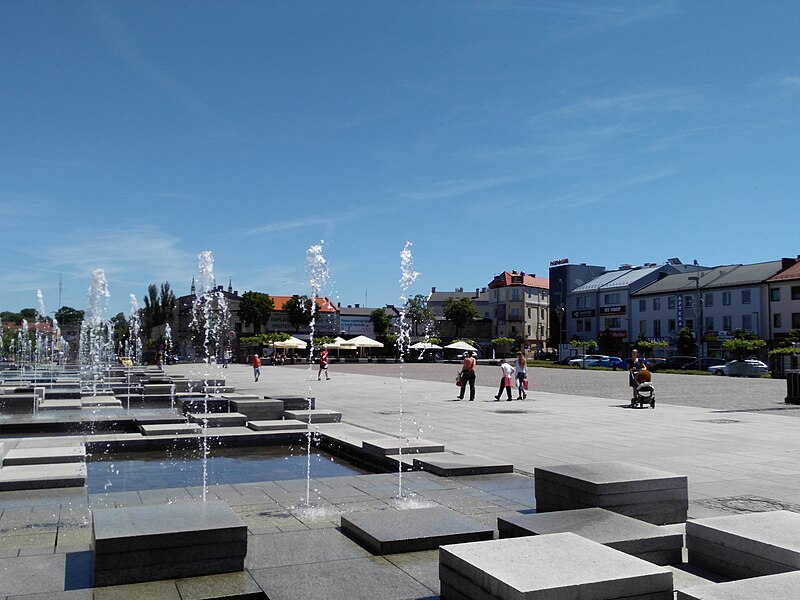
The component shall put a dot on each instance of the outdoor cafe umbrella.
(363, 341)
(460, 346)
(292, 342)
(424, 346)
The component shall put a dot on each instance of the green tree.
(11, 317)
(459, 312)
(685, 344)
(381, 322)
(30, 314)
(159, 305)
(256, 308)
(742, 344)
(68, 316)
(418, 311)
(300, 310)
(122, 330)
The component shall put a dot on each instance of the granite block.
(193, 568)
(770, 587)
(31, 477)
(314, 416)
(393, 446)
(610, 477)
(459, 465)
(295, 402)
(170, 429)
(632, 536)
(393, 531)
(279, 424)
(227, 419)
(46, 455)
(558, 566)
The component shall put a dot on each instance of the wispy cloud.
(603, 15)
(115, 33)
(459, 187)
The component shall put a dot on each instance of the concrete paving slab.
(70, 404)
(561, 566)
(314, 416)
(773, 587)
(371, 578)
(171, 429)
(228, 419)
(389, 446)
(32, 477)
(655, 544)
(236, 586)
(277, 424)
(48, 455)
(457, 465)
(413, 530)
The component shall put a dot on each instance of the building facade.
(519, 305)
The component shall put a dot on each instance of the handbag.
(507, 380)
(525, 384)
(459, 380)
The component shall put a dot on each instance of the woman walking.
(522, 376)
(468, 376)
(505, 381)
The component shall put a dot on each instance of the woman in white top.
(522, 375)
(505, 381)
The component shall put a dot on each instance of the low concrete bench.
(448, 464)
(314, 416)
(34, 477)
(746, 545)
(45, 456)
(644, 493)
(228, 419)
(770, 587)
(559, 566)
(295, 402)
(276, 425)
(632, 536)
(393, 446)
(257, 409)
(393, 531)
(170, 429)
(166, 541)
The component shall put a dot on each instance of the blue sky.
(492, 135)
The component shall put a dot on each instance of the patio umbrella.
(424, 346)
(461, 346)
(292, 342)
(363, 341)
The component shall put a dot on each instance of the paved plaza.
(734, 439)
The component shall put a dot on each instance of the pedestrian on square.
(468, 376)
(505, 380)
(522, 376)
(323, 364)
(256, 366)
(635, 364)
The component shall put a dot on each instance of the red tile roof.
(324, 305)
(791, 273)
(508, 279)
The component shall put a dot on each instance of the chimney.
(358, 306)
(433, 290)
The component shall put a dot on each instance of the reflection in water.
(133, 471)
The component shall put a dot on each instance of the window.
(587, 326)
(614, 298)
(642, 305)
(612, 323)
(671, 303)
(776, 320)
(795, 320)
(670, 325)
(688, 301)
(795, 293)
(657, 328)
(580, 325)
(727, 323)
(745, 296)
(747, 322)
(656, 303)
(514, 294)
(726, 298)
(709, 324)
(708, 299)
(689, 324)
(643, 327)
(775, 294)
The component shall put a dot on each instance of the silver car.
(740, 368)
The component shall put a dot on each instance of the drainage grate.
(388, 412)
(748, 504)
(720, 421)
(511, 411)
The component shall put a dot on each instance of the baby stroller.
(644, 392)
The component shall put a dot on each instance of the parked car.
(610, 362)
(740, 368)
(674, 362)
(702, 364)
(584, 361)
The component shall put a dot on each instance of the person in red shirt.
(323, 364)
(256, 366)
